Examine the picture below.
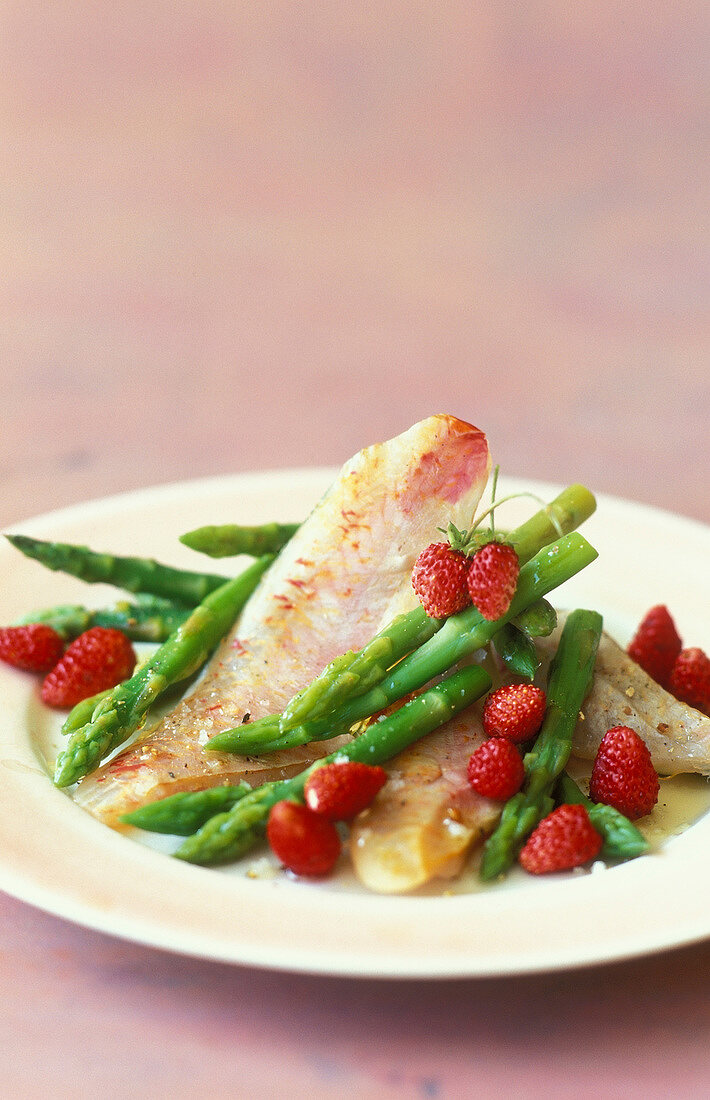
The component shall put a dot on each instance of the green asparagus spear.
(82, 712)
(264, 735)
(122, 711)
(514, 641)
(622, 840)
(563, 514)
(355, 673)
(366, 669)
(229, 835)
(230, 539)
(68, 619)
(148, 619)
(133, 574)
(459, 637)
(570, 678)
(538, 620)
(517, 651)
(184, 813)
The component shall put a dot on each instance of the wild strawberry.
(496, 770)
(564, 839)
(35, 647)
(514, 711)
(98, 659)
(306, 843)
(656, 644)
(690, 678)
(623, 775)
(340, 791)
(439, 580)
(492, 577)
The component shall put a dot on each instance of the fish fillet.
(344, 574)
(426, 819)
(677, 735)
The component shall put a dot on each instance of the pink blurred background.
(238, 240)
(253, 236)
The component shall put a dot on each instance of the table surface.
(239, 241)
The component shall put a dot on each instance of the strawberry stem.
(490, 511)
(494, 486)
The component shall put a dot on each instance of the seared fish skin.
(344, 574)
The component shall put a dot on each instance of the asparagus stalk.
(459, 637)
(229, 835)
(538, 620)
(514, 641)
(517, 651)
(68, 619)
(622, 840)
(148, 619)
(133, 574)
(570, 678)
(229, 539)
(122, 711)
(563, 514)
(82, 712)
(184, 813)
(355, 673)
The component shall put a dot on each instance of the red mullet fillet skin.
(341, 578)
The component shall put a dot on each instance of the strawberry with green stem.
(477, 566)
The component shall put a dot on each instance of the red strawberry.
(35, 647)
(496, 770)
(656, 644)
(690, 678)
(98, 659)
(439, 580)
(514, 711)
(306, 843)
(492, 577)
(623, 775)
(564, 839)
(340, 791)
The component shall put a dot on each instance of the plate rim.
(362, 961)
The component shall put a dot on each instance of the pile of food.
(387, 677)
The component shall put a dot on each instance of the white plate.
(55, 856)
